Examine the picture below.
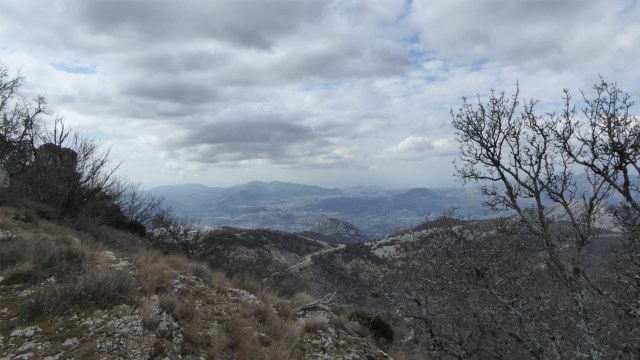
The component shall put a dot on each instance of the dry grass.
(184, 311)
(177, 262)
(342, 321)
(155, 279)
(249, 284)
(21, 272)
(149, 256)
(300, 299)
(284, 334)
(94, 289)
(258, 332)
(219, 346)
(219, 278)
(192, 333)
(242, 338)
(201, 270)
(404, 356)
(33, 260)
(150, 320)
(167, 302)
(315, 323)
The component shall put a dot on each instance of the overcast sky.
(325, 92)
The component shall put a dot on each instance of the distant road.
(309, 258)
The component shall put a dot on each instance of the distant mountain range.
(295, 207)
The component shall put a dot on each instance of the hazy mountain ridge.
(293, 207)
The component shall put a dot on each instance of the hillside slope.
(64, 295)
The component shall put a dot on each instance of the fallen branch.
(323, 304)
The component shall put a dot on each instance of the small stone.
(25, 333)
(108, 255)
(25, 293)
(26, 356)
(5, 235)
(53, 357)
(28, 346)
(121, 265)
(73, 342)
(51, 280)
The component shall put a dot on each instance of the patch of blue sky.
(477, 65)
(628, 6)
(75, 67)
(406, 10)
(417, 52)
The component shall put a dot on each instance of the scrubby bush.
(97, 289)
(34, 260)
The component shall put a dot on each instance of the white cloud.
(420, 147)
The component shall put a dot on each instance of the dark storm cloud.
(351, 59)
(540, 33)
(272, 138)
(165, 61)
(245, 22)
(175, 91)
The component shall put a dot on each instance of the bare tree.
(139, 205)
(526, 162)
(20, 123)
(172, 230)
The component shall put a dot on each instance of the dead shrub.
(155, 279)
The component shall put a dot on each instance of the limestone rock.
(5, 235)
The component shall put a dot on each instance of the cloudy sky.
(326, 92)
